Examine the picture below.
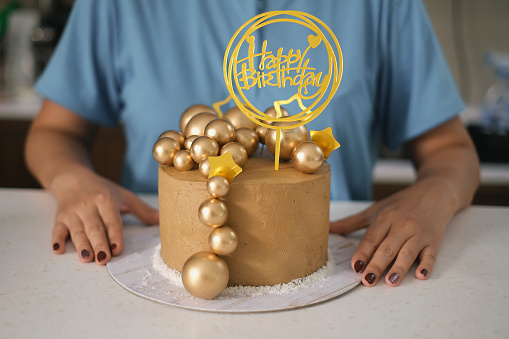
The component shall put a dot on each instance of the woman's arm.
(89, 205)
(411, 223)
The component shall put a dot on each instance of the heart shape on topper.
(314, 40)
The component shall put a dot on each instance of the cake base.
(136, 273)
(281, 219)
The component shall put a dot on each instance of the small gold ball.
(220, 130)
(205, 275)
(218, 186)
(175, 135)
(261, 131)
(189, 141)
(247, 138)
(204, 167)
(290, 138)
(239, 153)
(271, 111)
(223, 240)
(238, 119)
(164, 150)
(213, 212)
(183, 161)
(191, 112)
(307, 157)
(202, 148)
(196, 125)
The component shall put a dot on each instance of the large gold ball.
(204, 167)
(271, 111)
(218, 186)
(164, 150)
(175, 135)
(189, 141)
(239, 153)
(183, 161)
(202, 148)
(235, 116)
(223, 240)
(261, 131)
(205, 275)
(220, 130)
(290, 138)
(191, 112)
(196, 126)
(213, 212)
(247, 138)
(307, 157)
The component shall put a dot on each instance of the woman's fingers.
(59, 236)
(79, 237)
(110, 215)
(427, 260)
(96, 233)
(405, 259)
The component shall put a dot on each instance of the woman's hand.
(89, 209)
(89, 206)
(411, 223)
(401, 228)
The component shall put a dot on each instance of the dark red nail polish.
(56, 246)
(424, 272)
(113, 247)
(394, 278)
(359, 264)
(85, 254)
(101, 256)
(370, 278)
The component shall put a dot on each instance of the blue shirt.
(142, 63)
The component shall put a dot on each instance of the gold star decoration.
(224, 166)
(325, 140)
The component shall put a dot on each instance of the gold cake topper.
(281, 70)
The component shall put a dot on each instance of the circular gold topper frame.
(331, 79)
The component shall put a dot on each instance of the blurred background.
(474, 35)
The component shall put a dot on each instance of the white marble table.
(45, 295)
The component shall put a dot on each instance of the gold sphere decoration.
(261, 131)
(238, 119)
(223, 240)
(203, 147)
(164, 150)
(204, 167)
(175, 135)
(220, 130)
(205, 275)
(239, 153)
(218, 186)
(189, 141)
(183, 161)
(191, 112)
(290, 138)
(196, 125)
(307, 157)
(213, 212)
(247, 138)
(271, 111)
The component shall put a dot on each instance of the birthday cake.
(281, 219)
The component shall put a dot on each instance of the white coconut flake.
(321, 275)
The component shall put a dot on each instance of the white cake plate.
(136, 273)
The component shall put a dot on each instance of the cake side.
(281, 218)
